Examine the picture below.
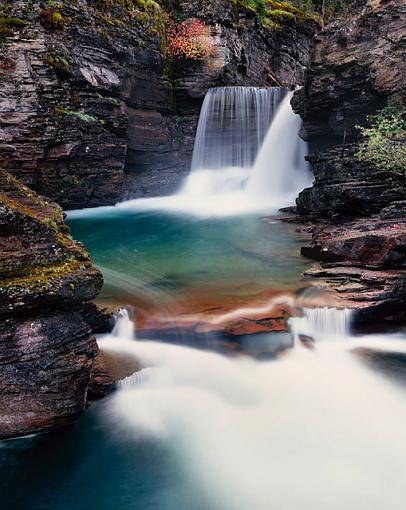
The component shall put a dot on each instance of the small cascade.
(138, 378)
(314, 430)
(232, 125)
(322, 324)
(124, 326)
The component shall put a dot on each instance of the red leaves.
(189, 39)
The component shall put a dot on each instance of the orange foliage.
(189, 39)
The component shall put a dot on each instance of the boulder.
(46, 346)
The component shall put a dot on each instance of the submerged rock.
(46, 347)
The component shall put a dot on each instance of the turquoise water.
(250, 435)
(178, 256)
(163, 258)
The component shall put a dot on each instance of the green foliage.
(384, 142)
(274, 14)
(8, 25)
(75, 181)
(280, 16)
(13, 22)
(60, 64)
(145, 12)
(85, 117)
(52, 19)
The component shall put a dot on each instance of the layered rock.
(46, 347)
(90, 103)
(63, 124)
(246, 53)
(358, 65)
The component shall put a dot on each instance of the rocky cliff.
(358, 66)
(46, 347)
(89, 101)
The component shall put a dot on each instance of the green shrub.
(52, 19)
(13, 22)
(384, 142)
(279, 16)
(144, 11)
(84, 117)
(274, 14)
(9, 25)
(57, 62)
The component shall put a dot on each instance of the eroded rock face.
(358, 66)
(66, 97)
(246, 53)
(46, 347)
(95, 105)
(357, 63)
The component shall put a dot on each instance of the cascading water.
(322, 323)
(315, 429)
(281, 168)
(247, 157)
(232, 125)
(235, 166)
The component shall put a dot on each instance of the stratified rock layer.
(46, 347)
(358, 65)
(358, 61)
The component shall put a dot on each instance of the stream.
(202, 426)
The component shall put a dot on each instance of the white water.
(280, 168)
(232, 125)
(314, 430)
(322, 324)
(228, 175)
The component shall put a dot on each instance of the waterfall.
(247, 158)
(232, 125)
(124, 326)
(281, 168)
(248, 155)
(322, 323)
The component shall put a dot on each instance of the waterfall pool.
(169, 265)
(320, 426)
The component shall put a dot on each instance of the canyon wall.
(91, 110)
(358, 66)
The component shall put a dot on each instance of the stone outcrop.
(63, 93)
(346, 187)
(91, 111)
(358, 65)
(246, 53)
(46, 346)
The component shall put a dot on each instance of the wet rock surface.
(358, 213)
(46, 346)
(364, 263)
